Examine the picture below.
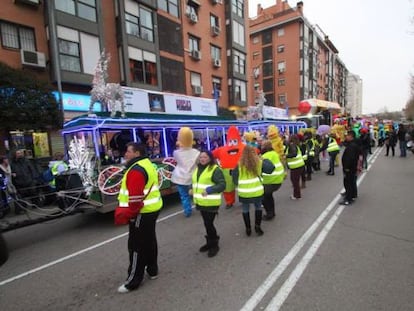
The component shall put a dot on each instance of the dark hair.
(137, 147)
(2, 158)
(210, 156)
(352, 133)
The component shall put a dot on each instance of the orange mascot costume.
(228, 157)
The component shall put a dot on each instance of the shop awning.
(319, 103)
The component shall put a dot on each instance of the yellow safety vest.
(332, 145)
(295, 162)
(250, 186)
(278, 174)
(204, 181)
(152, 197)
(54, 170)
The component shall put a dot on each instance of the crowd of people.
(254, 172)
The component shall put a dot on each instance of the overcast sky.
(375, 40)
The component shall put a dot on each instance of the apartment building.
(354, 95)
(293, 60)
(192, 47)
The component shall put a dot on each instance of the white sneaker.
(153, 277)
(292, 197)
(122, 289)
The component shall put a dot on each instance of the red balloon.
(304, 107)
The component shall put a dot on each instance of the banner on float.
(274, 113)
(138, 100)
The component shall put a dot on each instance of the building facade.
(293, 60)
(190, 47)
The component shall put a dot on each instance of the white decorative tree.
(110, 95)
(81, 160)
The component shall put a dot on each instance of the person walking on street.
(273, 181)
(186, 157)
(333, 149)
(247, 178)
(350, 159)
(139, 205)
(390, 142)
(208, 184)
(402, 140)
(296, 164)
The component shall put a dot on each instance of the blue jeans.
(257, 205)
(185, 199)
(403, 148)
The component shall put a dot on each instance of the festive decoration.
(274, 137)
(110, 95)
(304, 107)
(109, 180)
(80, 159)
(339, 131)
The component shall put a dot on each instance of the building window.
(267, 53)
(268, 85)
(282, 99)
(239, 62)
(215, 52)
(281, 67)
(238, 7)
(267, 37)
(146, 24)
(281, 82)
(140, 26)
(214, 21)
(143, 71)
(69, 56)
(170, 6)
(268, 69)
(281, 32)
(85, 9)
(280, 48)
(195, 78)
(17, 37)
(132, 25)
(191, 8)
(238, 33)
(216, 83)
(240, 90)
(193, 43)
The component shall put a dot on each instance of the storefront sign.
(77, 102)
(274, 113)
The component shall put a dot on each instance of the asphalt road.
(316, 255)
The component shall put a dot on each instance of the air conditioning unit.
(193, 18)
(196, 54)
(215, 30)
(217, 62)
(197, 89)
(33, 58)
(281, 70)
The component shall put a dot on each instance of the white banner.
(139, 100)
(274, 113)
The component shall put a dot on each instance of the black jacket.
(350, 157)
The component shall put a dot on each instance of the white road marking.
(287, 287)
(262, 290)
(55, 262)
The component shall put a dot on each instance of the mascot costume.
(277, 142)
(186, 158)
(228, 157)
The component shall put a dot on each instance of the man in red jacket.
(139, 205)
